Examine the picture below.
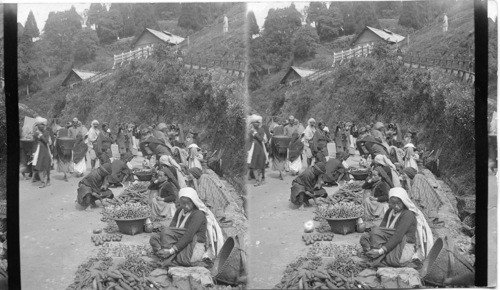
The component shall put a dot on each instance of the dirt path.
(54, 235)
(277, 228)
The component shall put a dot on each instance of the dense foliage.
(369, 90)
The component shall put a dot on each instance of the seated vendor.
(376, 204)
(308, 185)
(163, 195)
(420, 191)
(402, 235)
(193, 231)
(94, 186)
(121, 170)
(336, 169)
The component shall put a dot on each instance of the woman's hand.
(373, 198)
(373, 253)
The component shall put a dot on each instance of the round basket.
(360, 175)
(343, 226)
(227, 265)
(442, 263)
(131, 226)
(144, 176)
(470, 220)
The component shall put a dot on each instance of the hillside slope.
(211, 42)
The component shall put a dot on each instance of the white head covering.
(214, 232)
(311, 120)
(326, 129)
(424, 232)
(169, 161)
(39, 120)
(193, 146)
(95, 122)
(254, 118)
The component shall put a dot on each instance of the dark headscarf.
(295, 147)
(383, 174)
(196, 172)
(410, 171)
(319, 168)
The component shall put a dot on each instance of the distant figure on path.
(226, 24)
(445, 23)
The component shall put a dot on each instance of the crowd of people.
(398, 192)
(182, 188)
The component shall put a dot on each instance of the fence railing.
(233, 67)
(124, 57)
(359, 51)
(464, 69)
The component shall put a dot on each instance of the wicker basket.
(443, 262)
(66, 144)
(227, 265)
(360, 175)
(343, 226)
(144, 175)
(470, 220)
(132, 226)
(282, 143)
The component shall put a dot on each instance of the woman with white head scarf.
(195, 156)
(42, 159)
(403, 234)
(384, 161)
(308, 140)
(174, 167)
(192, 234)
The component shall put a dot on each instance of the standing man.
(290, 126)
(445, 23)
(92, 138)
(226, 24)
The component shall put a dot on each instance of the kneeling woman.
(376, 204)
(94, 186)
(308, 185)
(403, 234)
(193, 230)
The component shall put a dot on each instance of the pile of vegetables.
(347, 193)
(101, 239)
(99, 273)
(334, 250)
(339, 210)
(343, 262)
(312, 238)
(314, 276)
(123, 250)
(126, 211)
(135, 192)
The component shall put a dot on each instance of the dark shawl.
(334, 169)
(95, 179)
(44, 159)
(79, 149)
(385, 174)
(319, 139)
(295, 147)
(258, 160)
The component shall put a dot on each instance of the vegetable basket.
(131, 226)
(343, 226)
(360, 174)
(227, 265)
(144, 175)
(66, 144)
(282, 143)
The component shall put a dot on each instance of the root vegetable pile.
(127, 211)
(348, 193)
(343, 262)
(123, 250)
(101, 239)
(312, 238)
(339, 210)
(330, 249)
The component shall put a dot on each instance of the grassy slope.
(210, 42)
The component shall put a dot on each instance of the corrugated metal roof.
(303, 72)
(84, 74)
(166, 36)
(387, 35)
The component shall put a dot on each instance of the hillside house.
(150, 37)
(374, 35)
(295, 74)
(76, 76)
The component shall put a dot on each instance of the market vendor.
(336, 169)
(377, 203)
(372, 146)
(193, 232)
(152, 146)
(308, 185)
(403, 235)
(168, 163)
(121, 170)
(420, 191)
(163, 194)
(94, 186)
(389, 168)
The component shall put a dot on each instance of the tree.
(167, 11)
(330, 23)
(305, 42)
(279, 27)
(414, 14)
(85, 45)
(365, 15)
(144, 17)
(253, 27)
(95, 14)
(193, 16)
(30, 28)
(314, 11)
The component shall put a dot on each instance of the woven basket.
(470, 220)
(443, 262)
(227, 265)
(466, 202)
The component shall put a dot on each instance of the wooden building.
(374, 35)
(150, 37)
(295, 74)
(76, 76)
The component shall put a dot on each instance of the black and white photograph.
(249, 145)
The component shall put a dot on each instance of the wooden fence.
(233, 67)
(120, 59)
(360, 51)
(464, 69)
